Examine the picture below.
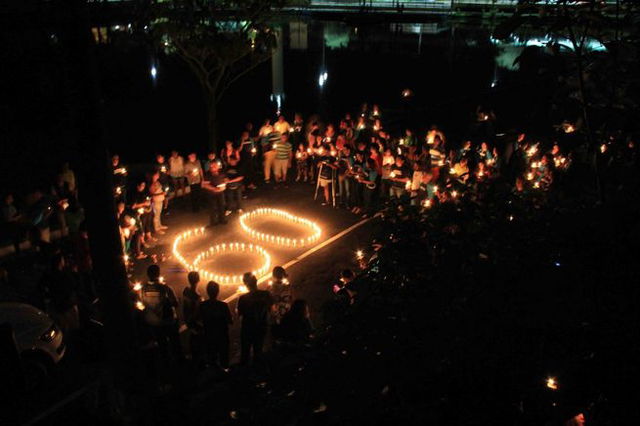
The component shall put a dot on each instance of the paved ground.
(312, 276)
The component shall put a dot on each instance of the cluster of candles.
(219, 249)
(277, 239)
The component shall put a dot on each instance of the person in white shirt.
(193, 173)
(176, 172)
(157, 194)
(282, 126)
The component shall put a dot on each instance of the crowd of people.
(358, 165)
(271, 315)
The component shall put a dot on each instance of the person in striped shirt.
(283, 158)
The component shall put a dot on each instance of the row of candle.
(219, 249)
(277, 239)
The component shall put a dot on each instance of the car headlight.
(50, 334)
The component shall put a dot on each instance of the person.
(156, 191)
(325, 173)
(11, 221)
(282, 126)
(141, 204)
(281, 292)
(211, 157)
(176, 172)
(345, 180)
(268, 137)
(344, 289)
(69, 177)
(399, 176)
(253, 309)
(302, 164)
(193, 172)
(283, 158)
(216, 183)
(59, 288)
(190, 304)
(216, 319)
(162, 168)
(119, 178)
(295, 327)
(369, 183)
(247, 155)
(159, 313)
(233, 192)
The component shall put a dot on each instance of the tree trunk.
(97, 198)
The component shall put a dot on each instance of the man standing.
(159, 313)
(281, 126)
(176, 171)
(400, 176)
(156, 191)
(193, 172)
(253, 308)
(283, 158)
(216, 183)
(216, 319)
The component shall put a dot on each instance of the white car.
(37, 337)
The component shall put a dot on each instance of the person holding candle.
(176, 172)
(157, 194)
(215, 183)
(119, 178)
(282, 160)
(281, 125)
(233, 192)
(399, 176)
(193, 172)
(159, 313)
(302, 163)
(162, 167)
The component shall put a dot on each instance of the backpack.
(157, 308)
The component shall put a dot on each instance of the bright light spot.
(322, 79)
(359, 254)
(552, 383)
(154, 71)
(139, 306)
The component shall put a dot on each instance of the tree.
(576, 27)
(220, 40)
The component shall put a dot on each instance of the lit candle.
(552, 383)
(359, 254)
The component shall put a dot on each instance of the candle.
(603, 148)
(427, 203)
(139, 305)
(552, 383)
(359, 254)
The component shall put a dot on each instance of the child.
(302, 163)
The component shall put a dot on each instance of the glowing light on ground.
(217, 250)
(280, 240)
